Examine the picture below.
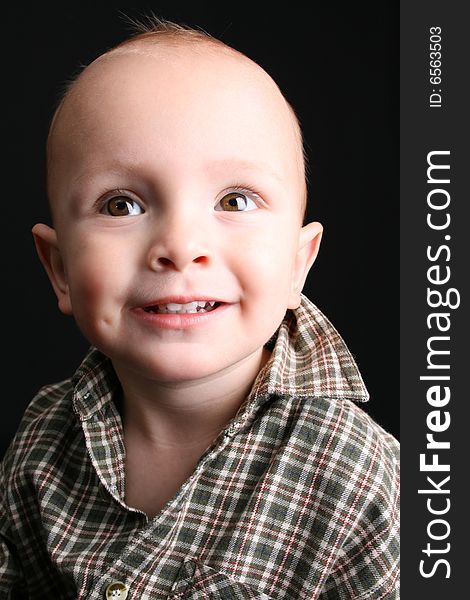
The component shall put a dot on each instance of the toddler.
(209, 445)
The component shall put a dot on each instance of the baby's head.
(176, 183)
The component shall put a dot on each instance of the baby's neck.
(186, 415)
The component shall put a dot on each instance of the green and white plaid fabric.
(297, 498)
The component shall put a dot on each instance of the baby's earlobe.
(294, 304)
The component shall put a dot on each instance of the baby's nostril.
(164, 261)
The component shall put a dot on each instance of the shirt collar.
(309, 359)
(94, 384)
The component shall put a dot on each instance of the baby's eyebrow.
(234, 166)
(237, 164)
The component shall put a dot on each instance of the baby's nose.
(180, 243)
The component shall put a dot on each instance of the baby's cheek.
(88, 282)
(94, 289)
(268, 262)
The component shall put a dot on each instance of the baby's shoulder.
(49, 410)
(48, 400)
(44, 428)
(342, 438)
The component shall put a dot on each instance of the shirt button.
(117, 589)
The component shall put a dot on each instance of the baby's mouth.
(172, 308)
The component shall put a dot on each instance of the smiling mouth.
(172, 308)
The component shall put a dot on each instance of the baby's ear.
(309, 244)
(47, 247)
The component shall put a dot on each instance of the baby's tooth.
(173, 307)
(189, 307)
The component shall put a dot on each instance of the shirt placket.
(149, 546)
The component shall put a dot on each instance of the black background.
(337, 66)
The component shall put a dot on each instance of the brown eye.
(123, 206)
(236, 202)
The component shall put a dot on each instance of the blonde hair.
(153, 28)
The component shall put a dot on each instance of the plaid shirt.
(297, 498)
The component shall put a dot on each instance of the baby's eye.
(122, 206)
(235, 201)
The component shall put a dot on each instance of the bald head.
(181, 74)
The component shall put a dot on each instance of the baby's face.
(176, 179)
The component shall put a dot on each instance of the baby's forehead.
(169, 65)
(172, 57)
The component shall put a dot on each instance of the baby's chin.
(184, 372)
(176, 368)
